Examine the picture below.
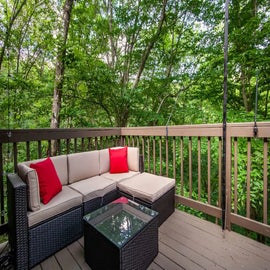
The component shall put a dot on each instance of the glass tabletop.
(120, 220)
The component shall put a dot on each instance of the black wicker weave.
(95, 203)
(53, 235)
(136, 254)
(17, 222)
(109, 197)
(31, 245)
(165, 205)
(91, 205)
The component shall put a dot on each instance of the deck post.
(223, 185)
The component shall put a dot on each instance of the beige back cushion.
(104, 161)
(83, 165)
(60, 165)
(133, 159)
(29, 176)
(132, 156)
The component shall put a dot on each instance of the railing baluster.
(209, 169)
(49, 150)
(182, 165)
(154, 155)
(265, 181)
(67, 146)
(190, 165)
(96, 143)
(219, 174)
(27, 150)
(167, 155)
(83, 145)
(248, 177)
(160, 155)
(148, 155)
(199, 168)
(75, 145)
(235, 174)
(59, 147)
(219, 170)
(39, 149)
(143, 149)
(15, 156)
(174, 158)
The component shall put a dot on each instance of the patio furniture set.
(54, 201)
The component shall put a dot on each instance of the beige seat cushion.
(132, 158)
(147, 186)
(83, 165)
(63, 201)
(93, 187)
(118, 177)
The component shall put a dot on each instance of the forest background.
(131, 63)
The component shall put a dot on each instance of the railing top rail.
(21, 135)
(178, 130)
(247, 129)
(210, 130)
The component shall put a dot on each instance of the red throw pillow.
(118, 160)
(49, 183)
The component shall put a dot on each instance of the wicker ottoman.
(153, 191)
(121, 235)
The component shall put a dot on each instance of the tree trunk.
(60, 70)
(16, 9)
(150, 45)
(111, 37)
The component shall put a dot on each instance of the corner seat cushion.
(93, 187)
(146, 186)
(118, 177)
(83, 165)
(63, 201)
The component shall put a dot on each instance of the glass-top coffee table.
(121, 235)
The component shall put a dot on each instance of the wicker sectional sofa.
(37, 230)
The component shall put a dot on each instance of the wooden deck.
(185, 242)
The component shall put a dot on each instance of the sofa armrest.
(141, 163)
(17, 220)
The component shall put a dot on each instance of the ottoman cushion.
(146, 186)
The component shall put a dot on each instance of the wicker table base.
(135, 249)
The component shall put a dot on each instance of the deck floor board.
(185, 242)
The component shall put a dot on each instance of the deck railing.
(192, 154)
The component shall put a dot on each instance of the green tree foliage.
(134, 62)
(249, 36)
